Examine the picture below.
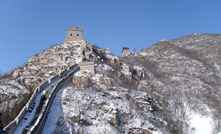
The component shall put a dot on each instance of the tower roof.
(126, 48)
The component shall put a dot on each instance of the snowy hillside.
(10, 92)
(170, 87)
(15, 88)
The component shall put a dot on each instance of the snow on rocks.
(112, 110)
(126, 71)
(12, 87)
(201, 123)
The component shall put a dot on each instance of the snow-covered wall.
(39, 125)
(13, 125)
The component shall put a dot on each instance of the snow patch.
(201, 124)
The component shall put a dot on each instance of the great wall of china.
(64, 76)
(74, 34)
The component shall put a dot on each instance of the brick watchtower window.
(77, 34)
(70, 34)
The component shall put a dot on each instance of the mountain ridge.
(175, 74)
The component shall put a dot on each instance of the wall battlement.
(75, 28)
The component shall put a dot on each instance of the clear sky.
(29, 26)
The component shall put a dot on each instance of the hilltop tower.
(125, 51)
(164, 39)
(74, 37)
(74, 33)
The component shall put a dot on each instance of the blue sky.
(28, 27)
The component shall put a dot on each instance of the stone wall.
(13, 125)
(164, 39)
(89, 46)
(87, 67)
(106, 50)
(39, 126)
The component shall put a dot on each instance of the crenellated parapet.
(75, 29)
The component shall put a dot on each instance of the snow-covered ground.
(12, 92)
(172, 68)
(30, 115)
(201, 124)
(12, 87)
(98, 111)
(54, 114)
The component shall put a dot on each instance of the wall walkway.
(65, 75)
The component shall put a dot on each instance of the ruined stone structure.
(196, 34)
(89, 46)
(125, 51)
(106, 50)
(164, 39)
(87, 67)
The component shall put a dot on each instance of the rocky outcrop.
(112, 110)
(100, 81)
(126, 71)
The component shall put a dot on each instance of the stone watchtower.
(164, 39)
(125, 51)
(74, 33)
(75, 36)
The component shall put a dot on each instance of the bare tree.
(181, 110)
